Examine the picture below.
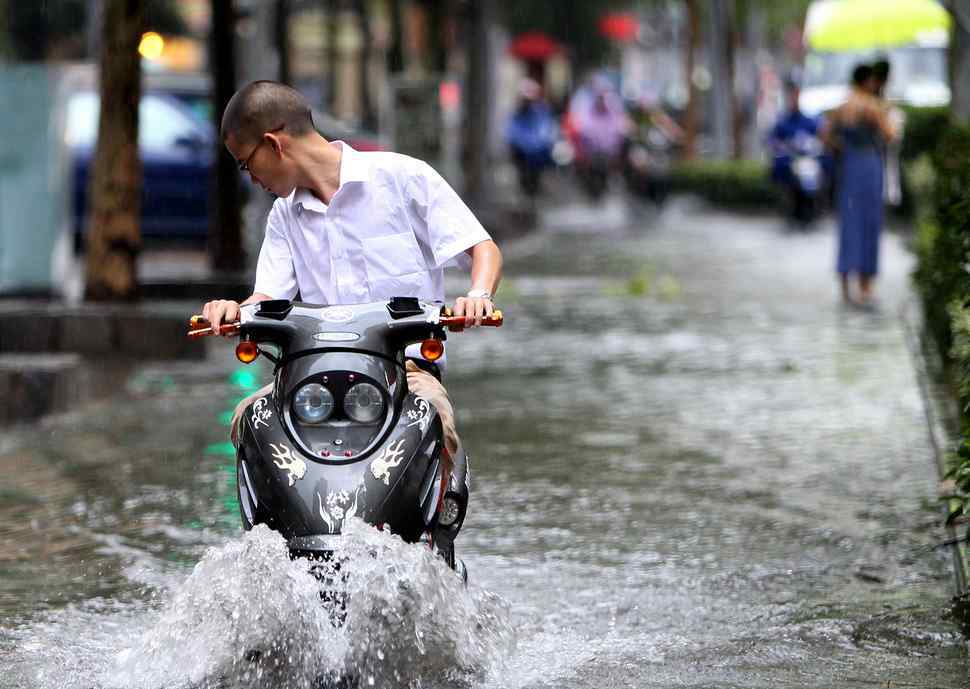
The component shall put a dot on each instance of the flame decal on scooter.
(336, 509)
(295, 467)
(421, 415)
(261, 415)
(392, 455)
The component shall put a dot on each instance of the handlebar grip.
(224, 329)
(457, 323)
(198, 322)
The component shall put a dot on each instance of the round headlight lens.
(313, 403)
(364, 403)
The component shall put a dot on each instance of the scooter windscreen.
(339, 406)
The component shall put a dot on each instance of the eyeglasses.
(244, 165)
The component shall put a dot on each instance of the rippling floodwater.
(691, 468)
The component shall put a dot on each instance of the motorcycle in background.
(806, 179)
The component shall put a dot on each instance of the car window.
(161, 123)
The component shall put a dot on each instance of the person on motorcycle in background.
(531, 134)
(792, 124)
(351, 227)
(600, 121)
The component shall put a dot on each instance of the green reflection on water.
(244, 378)
(224, 448)
(229, 495)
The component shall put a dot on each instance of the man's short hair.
(264, 106)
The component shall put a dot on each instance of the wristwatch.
(479, 294)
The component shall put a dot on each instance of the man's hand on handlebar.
(221, 311)
(474, 309)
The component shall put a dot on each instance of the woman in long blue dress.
(860, 128)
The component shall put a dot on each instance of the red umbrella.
(533, 46)
(620, 26)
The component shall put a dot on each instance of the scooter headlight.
(364, 403)
(313, 403)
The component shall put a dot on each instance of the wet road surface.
(692, 467)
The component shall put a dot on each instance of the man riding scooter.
(797, 164)
(351, 227)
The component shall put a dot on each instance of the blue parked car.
(177, 152)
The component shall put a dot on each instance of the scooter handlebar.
(200, 326)
(457, 323)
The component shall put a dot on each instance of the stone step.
(32, 385)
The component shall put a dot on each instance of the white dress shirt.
(390, 229)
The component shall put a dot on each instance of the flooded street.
(691, 467)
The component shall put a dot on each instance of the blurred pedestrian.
(860, 128)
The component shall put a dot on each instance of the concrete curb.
(937, 425)
(139, 331)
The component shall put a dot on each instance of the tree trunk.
(732, 43)
(691, 116)
(281, 38)
(333, 54)
(437, 17)
(113, 223)
(477, 99)
(721, 82)
(225, 228)
(960, 60)
(395, 53)
(368, 117)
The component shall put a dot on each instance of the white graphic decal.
(336, 509)
(260, 414)
(337, 314)
(392, 455)
(295, 467)
(421, 415)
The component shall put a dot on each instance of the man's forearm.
(486, 266)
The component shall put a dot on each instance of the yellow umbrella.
(855, 25)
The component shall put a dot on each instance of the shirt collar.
(352, 169)
(353, 166)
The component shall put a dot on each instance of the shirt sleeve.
(275, 275)
(443, 222)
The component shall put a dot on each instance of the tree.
(225, 228)
(960, 60)
(113, 222)
(692, 115)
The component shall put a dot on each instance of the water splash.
(249, 616)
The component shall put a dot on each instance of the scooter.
(807, 177)
(646, 164)
(340, 435)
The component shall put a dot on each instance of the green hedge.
(942, 245)
(943, 236)
(730, 183)
(924, 127)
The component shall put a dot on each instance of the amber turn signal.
(432, 349)
(247, 351)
